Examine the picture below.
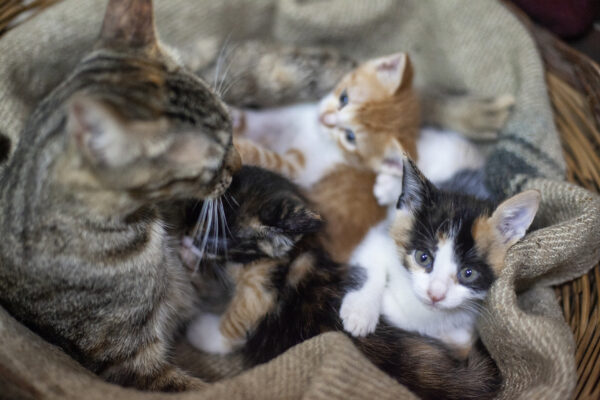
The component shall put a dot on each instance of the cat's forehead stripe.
(445, 260)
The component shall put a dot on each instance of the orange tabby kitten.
(336, 146)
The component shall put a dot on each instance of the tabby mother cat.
(85, 255)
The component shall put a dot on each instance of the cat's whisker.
(234, 200)
(232, 84)
(201, 221)
(216, 228)
(224, 226)
(220, 61)
(226, 197)
(226, 70)
(207, 228)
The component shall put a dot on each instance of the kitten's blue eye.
(350, 136)
(424, 259)
(468, 275)
(343, 99)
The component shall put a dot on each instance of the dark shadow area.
(4, 148)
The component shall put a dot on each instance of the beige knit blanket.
(460, 44)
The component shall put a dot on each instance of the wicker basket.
(574, 87)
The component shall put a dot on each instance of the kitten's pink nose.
(437, 291)
(436, 297)
(328, 119)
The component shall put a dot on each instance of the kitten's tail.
(428, 368)
(253, 154)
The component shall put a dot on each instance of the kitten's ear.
(129, 23)
(416, 189)
(394, 72)
(291, 215)
(513, 217)
(302, 221)
(100, 135)
(393, 158)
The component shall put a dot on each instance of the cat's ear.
(99, 134)
(416, 189)
(129, 23)
(291, 215)
(513, 216)
(301, 221)
(393, 158)
(394, 72)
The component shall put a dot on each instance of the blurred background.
(575, 21)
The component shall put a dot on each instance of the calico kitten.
(86, 258)
(284, 289)
(436, 264)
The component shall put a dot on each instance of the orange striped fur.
(254, 154)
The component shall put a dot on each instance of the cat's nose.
(436, 297)
(436, 291)
(328, 119)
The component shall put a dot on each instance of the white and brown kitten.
(429, 272)
(353, 125)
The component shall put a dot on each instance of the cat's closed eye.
(424, 259)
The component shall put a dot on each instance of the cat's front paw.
(204, 333)
(387, 189)
(359, 315)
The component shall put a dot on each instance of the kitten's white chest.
(296, 127)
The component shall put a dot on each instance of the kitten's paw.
(387, 189)
(204, 334)
(485, 117)
(359, 315)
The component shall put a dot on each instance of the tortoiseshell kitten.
(284, 289)
(86, 258)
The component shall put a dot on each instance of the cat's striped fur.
(86, 260)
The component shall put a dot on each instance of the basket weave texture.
(573, 83)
